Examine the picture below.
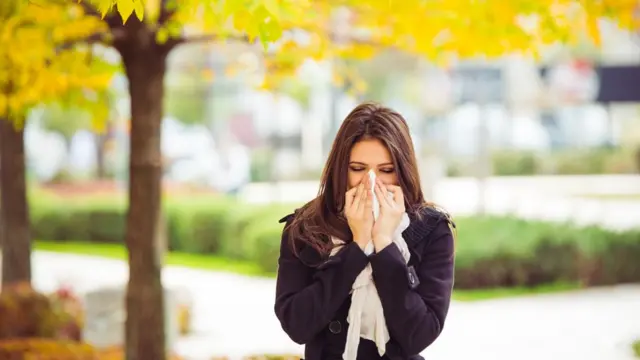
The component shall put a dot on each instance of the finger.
(363, 200)
(398, 197)
(349, 197)
(382, 198)
(357, 198)
(383, 188)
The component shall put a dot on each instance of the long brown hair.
(321, 218)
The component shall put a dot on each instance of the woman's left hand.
(391, 211)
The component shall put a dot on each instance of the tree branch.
(99, 37)
(91, 39)
(204, 38)
(165, 12)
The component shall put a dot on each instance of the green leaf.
(269, 28)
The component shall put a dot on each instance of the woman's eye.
(357, 169)
(387, 171)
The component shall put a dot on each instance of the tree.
(291, 31)
(144, 47)
(38, 63)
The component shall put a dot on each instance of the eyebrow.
(363, 164)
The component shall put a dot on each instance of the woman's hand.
(391, 211)
(359, 212)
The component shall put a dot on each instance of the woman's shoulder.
(430, 221)
(289, 218)
(432, 214)
(298, 236)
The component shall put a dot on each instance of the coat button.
(335, 327)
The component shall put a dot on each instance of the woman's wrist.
(362, 242)
(381, 241)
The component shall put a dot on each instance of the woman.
(331, 294)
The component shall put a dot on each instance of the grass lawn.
(488, 294)
(114, 251)
(636, 348)
(216, 263)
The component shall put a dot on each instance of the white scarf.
(366, 317)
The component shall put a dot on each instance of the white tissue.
(376, 204)
(376, 209)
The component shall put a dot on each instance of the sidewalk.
(234, 316)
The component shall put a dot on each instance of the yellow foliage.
(40, 61)
(438, 30)
(294, 30)
(45, 349)
(125, 7)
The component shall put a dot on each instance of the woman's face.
(371, 154)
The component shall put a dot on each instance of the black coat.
(312, 302)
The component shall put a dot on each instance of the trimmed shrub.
(490, 251)
(196, 225)
(560, 162)
(59, 219)
(504, 251)
(262, 239)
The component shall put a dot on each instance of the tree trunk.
(145, 66)
(101, 142)
(14, 209)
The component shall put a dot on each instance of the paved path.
(234, 316)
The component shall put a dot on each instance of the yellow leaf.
(139, 9)
(125, 9)
(104, 6)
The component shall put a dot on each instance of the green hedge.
(508, 251)
(202, 225)
(491, 251)
(558, 162)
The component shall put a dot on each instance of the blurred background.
(533, 146)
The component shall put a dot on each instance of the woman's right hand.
(359, 212)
